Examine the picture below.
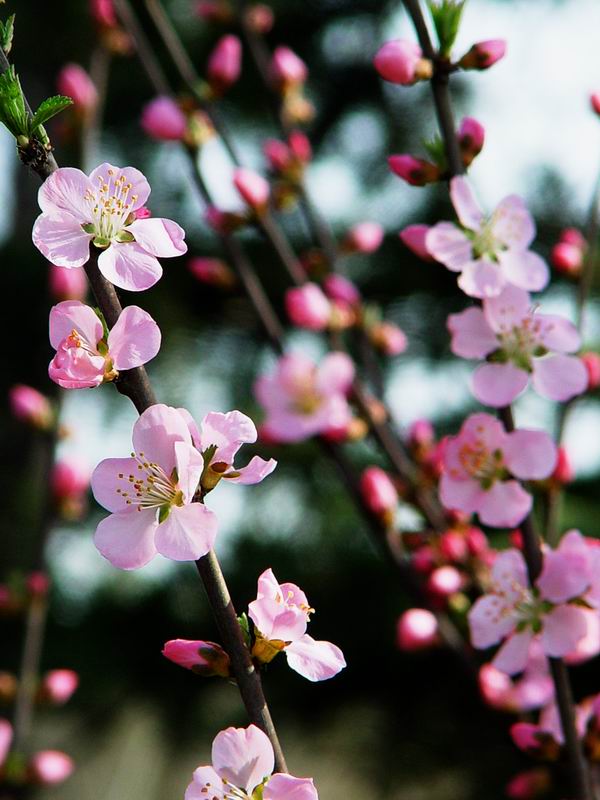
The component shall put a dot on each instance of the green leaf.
(244, 623)
(436, 150)
(13, 113)
(446, 15)
(7, 30)
(48, 109)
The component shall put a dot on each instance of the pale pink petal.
(159, 237)
(72, 315)
(512, 656)
(272, 617)
(449, 245)
(108, 486)
(294, 594)
(316, 661)
(155, 434)
(188, 533)
(126, 539)
(65, 191)
(530, 455)
(6, 735)
(285, 787)
(134, 340)
(129, 267)
(206, 785)
(61, 240)
(566, 571)
(589, 646)
(557, 333)
(482, 279)
(490, 621)
(464, 202)
(559, 377)
(509, 574)
(462, 495)
(189, 465)
(109, 174)
(512, 224)
(563, 627)
(505, 505)
(243, 756)
(254, 472)
(75, 368)
(335, 374)
(192, 427)
(524, 269)
(484, 428)
(228, 432)
(508, 309)
(472, 337)
(497, 385)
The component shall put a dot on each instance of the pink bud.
(307, 307)
(414, 171)
(6, 734)
(574, 237)
(401, 61)
(252, 187)
(423, 560)
(366, 237)
(421, 433)
(524, 735)
(516, 539)
(225, 63)
(205, 658)
(49, 767)
(388, 338)
(260, 18)
(471, 136)
(300, 146)
(277, 154)
(567, 258)
(74, 82)
(337, 287)
(417, 629)
(483, 54)
(595, 102)
(142, 213)
(445, 581)
(212, 271)
(528, 785)
(69, 479)
(67, 284)
(103, 12)
(453, 546)
(287, 69)
(591, 362)
(414, 238)
(58, 685)
(563, 471)
(378, 491)
(162, 119)
(38, 584)
(477, 541)
(495, 686)
(214, 10)
(30, 406)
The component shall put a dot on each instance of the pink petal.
(190, 465)
(589, 646)
(271, 616)
(566, 571)
(206, 785)
(564, 626)
(228, 432)
(316, 661)
(472, 337)
(188, 533)
(61, 240)
(559, 377)
(497, 385)
(466, 207)
(64, 192)
(155, 434)
(75, 368)
(512, 224)
(126, 539)
(254, 472)
(6, 735)
(192, 427)
(482, 278)
(505, 505)
(72, 315)
(484, 428)
(530, 455)
(105, 482)
(140, 188)
(449, 245)
(462, 495)
(129, 267)
(335, 374)
(285, 787)
(489, 621)
(557, 333)
(134, 340)
(508, 309)
(159, 237)
(509, 575)
(514, 653)
(243, 756)
(524, 269)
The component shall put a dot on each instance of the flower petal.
(482, 278)
(524, 269)
(508, 309)
(530, 455)
(129, 267)
(449, 245)
(505, 505)
(285, 787)
(243, 756)
(557, 333)
(109, 174)
(472, 336)
(497, 385)
(188, 533)
(316, 661)
(514, 653)
(462, 495)
(464, 202)
(189, 464)
(335, 374)
(65, 192)
(155, 434)
(489, 621)
(563, 627)
(61, 240)
(559, 377)
(134, 340)
(108, 487)
(228, 432)
(72, 315)
(159, 237)
(205, 785)
(126, 539)
(255, 471)
(273, 618)
(512, 224)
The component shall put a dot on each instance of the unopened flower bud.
(300, 146)
(260, 18)
(378, 491)
(445, 581)
(421, 433)
(471, 136)
(204, 658)
(477, 541)
(423, 559)
(415, 171)
(224, 64)
(50, 767)
(574, 237)
(8, 691)
(483, 54)
(287, 69)
(388, 338)
(563, 471)
(413, 237)
(337, 287)
(69, 478)
(30, 406)
(401, 61)
(591, 362)
(214, 10)
(567, 258)
(67, 284)
(453, 546)
(252, 187)
(6, 735)
(417, 629)
(307, 307)
(366, 237)
(495, 686)
(277, 154)
(223, 222)
(212, 271)
(103, 13)
(164, 120)
(595, 102)
(74, 82)
(528, 785)
(58, 686)
(38, 584)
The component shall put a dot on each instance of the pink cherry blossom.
(415, 171)
(103, 12)
(6, 735)
(164, 120)
(378, 491)
(307, 307)
(242, 761)
(224, 64)
(287, 69)
(481, 464)
(489, 253)
(212, 271)
(280, 615)
(484, 54)
(252, 187)
(471, 137)
(85, 357)
(519, 343)
(30, 406)
(150, 495)
(417, 629)
(78, 210)
(388, 338)
(401, 61)
(573, 569)
(302, 399)
(74, 82)
(204, 658)
(533, 689)
(515, 614)
(365, 237)
(58, 685)
(339, 288)
(67, 284)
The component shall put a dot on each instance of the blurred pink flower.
(286, 68)
(252, 188)
(6, 735)
(74, 82)
(378, 491)
(224, 64)
(365, 237)
(58, 685)
(415, 171)
(401, 61)
(30, 406)
(417, 629)
(51, 767)
(67, 284)
(307, 307)
(164, 120)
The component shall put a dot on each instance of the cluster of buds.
(287, 161)
(288, 76)
(426, 450)
(568, 254)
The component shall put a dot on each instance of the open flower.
(101, 209)
(150, 495)
(302, 399)
(85, 356)
(280, 615)
(488, 252)
(481, 464)
(242, 762)
(519, 343)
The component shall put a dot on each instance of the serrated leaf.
(13, 113)
(7, 30)
(48, 109)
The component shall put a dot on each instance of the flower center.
(150, 487)
(521, 343)
(483, 465)
(485, 243)
(307, 402)
(111, 205)
(287, 602)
